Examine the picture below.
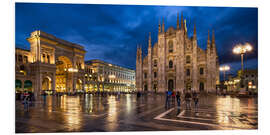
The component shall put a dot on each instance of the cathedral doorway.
(145, 87)
(201, 86)
(170, 85)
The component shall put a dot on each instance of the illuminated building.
(176, 62)
(102, 76)
(52, 64)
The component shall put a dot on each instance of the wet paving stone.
(93, 113)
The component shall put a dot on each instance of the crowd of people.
(187, 97)
(171, 97)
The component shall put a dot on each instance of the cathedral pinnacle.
(185, 25)
(208, 41)
(213, 37)
(177, 24)
(194, 33)
(159, 28)
(149, 41)
(182, 21)
(163, 25)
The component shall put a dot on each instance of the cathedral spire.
(195, 33)
(138, 52)
(149, 41)
(213, 37)
(208, 41)
(182, 21)
(177, 24)
(159, 27)
(214, 42)
(163, 25)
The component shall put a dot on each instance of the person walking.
(167, 103)
(173, 97)
(188, 99)
(178, 99)
(196, 101)
(44, 96)
(26, 101)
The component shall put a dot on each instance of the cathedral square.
(135, 68)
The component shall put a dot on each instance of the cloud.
(112, 32)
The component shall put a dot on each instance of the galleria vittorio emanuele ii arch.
(50, 64)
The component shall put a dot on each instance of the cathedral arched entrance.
(170, 85)
(47, 83)
(63, 74)
(145, 87)
(201, 87)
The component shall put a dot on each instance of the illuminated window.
(48, 58)
(25, 59)
(43, 56)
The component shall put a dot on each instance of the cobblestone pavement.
(92, 113)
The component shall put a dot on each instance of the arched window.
(48, 58)
(188, 72)
(188, 59)
(43, 56)
(170, 46)
(155, 74)
(170, 64)
(201, 71)
(25, 59)
(145, 75)
(155, 63)
(22, 67)
(20, 58)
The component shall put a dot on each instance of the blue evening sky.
(112, 32)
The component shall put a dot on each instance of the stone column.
(23, 85)
(53, 81)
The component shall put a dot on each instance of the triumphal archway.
(57, 65)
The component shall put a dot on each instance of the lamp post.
(224, 69)
(242, 49)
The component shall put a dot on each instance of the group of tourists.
(188, 96)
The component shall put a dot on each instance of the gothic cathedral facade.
(176, 62)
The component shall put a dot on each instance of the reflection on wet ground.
(92, 113)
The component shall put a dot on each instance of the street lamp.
(242, 49)
(224, 69)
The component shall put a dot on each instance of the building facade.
(249, 81)
(51, 64)
(105, 77)
(175, 62)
